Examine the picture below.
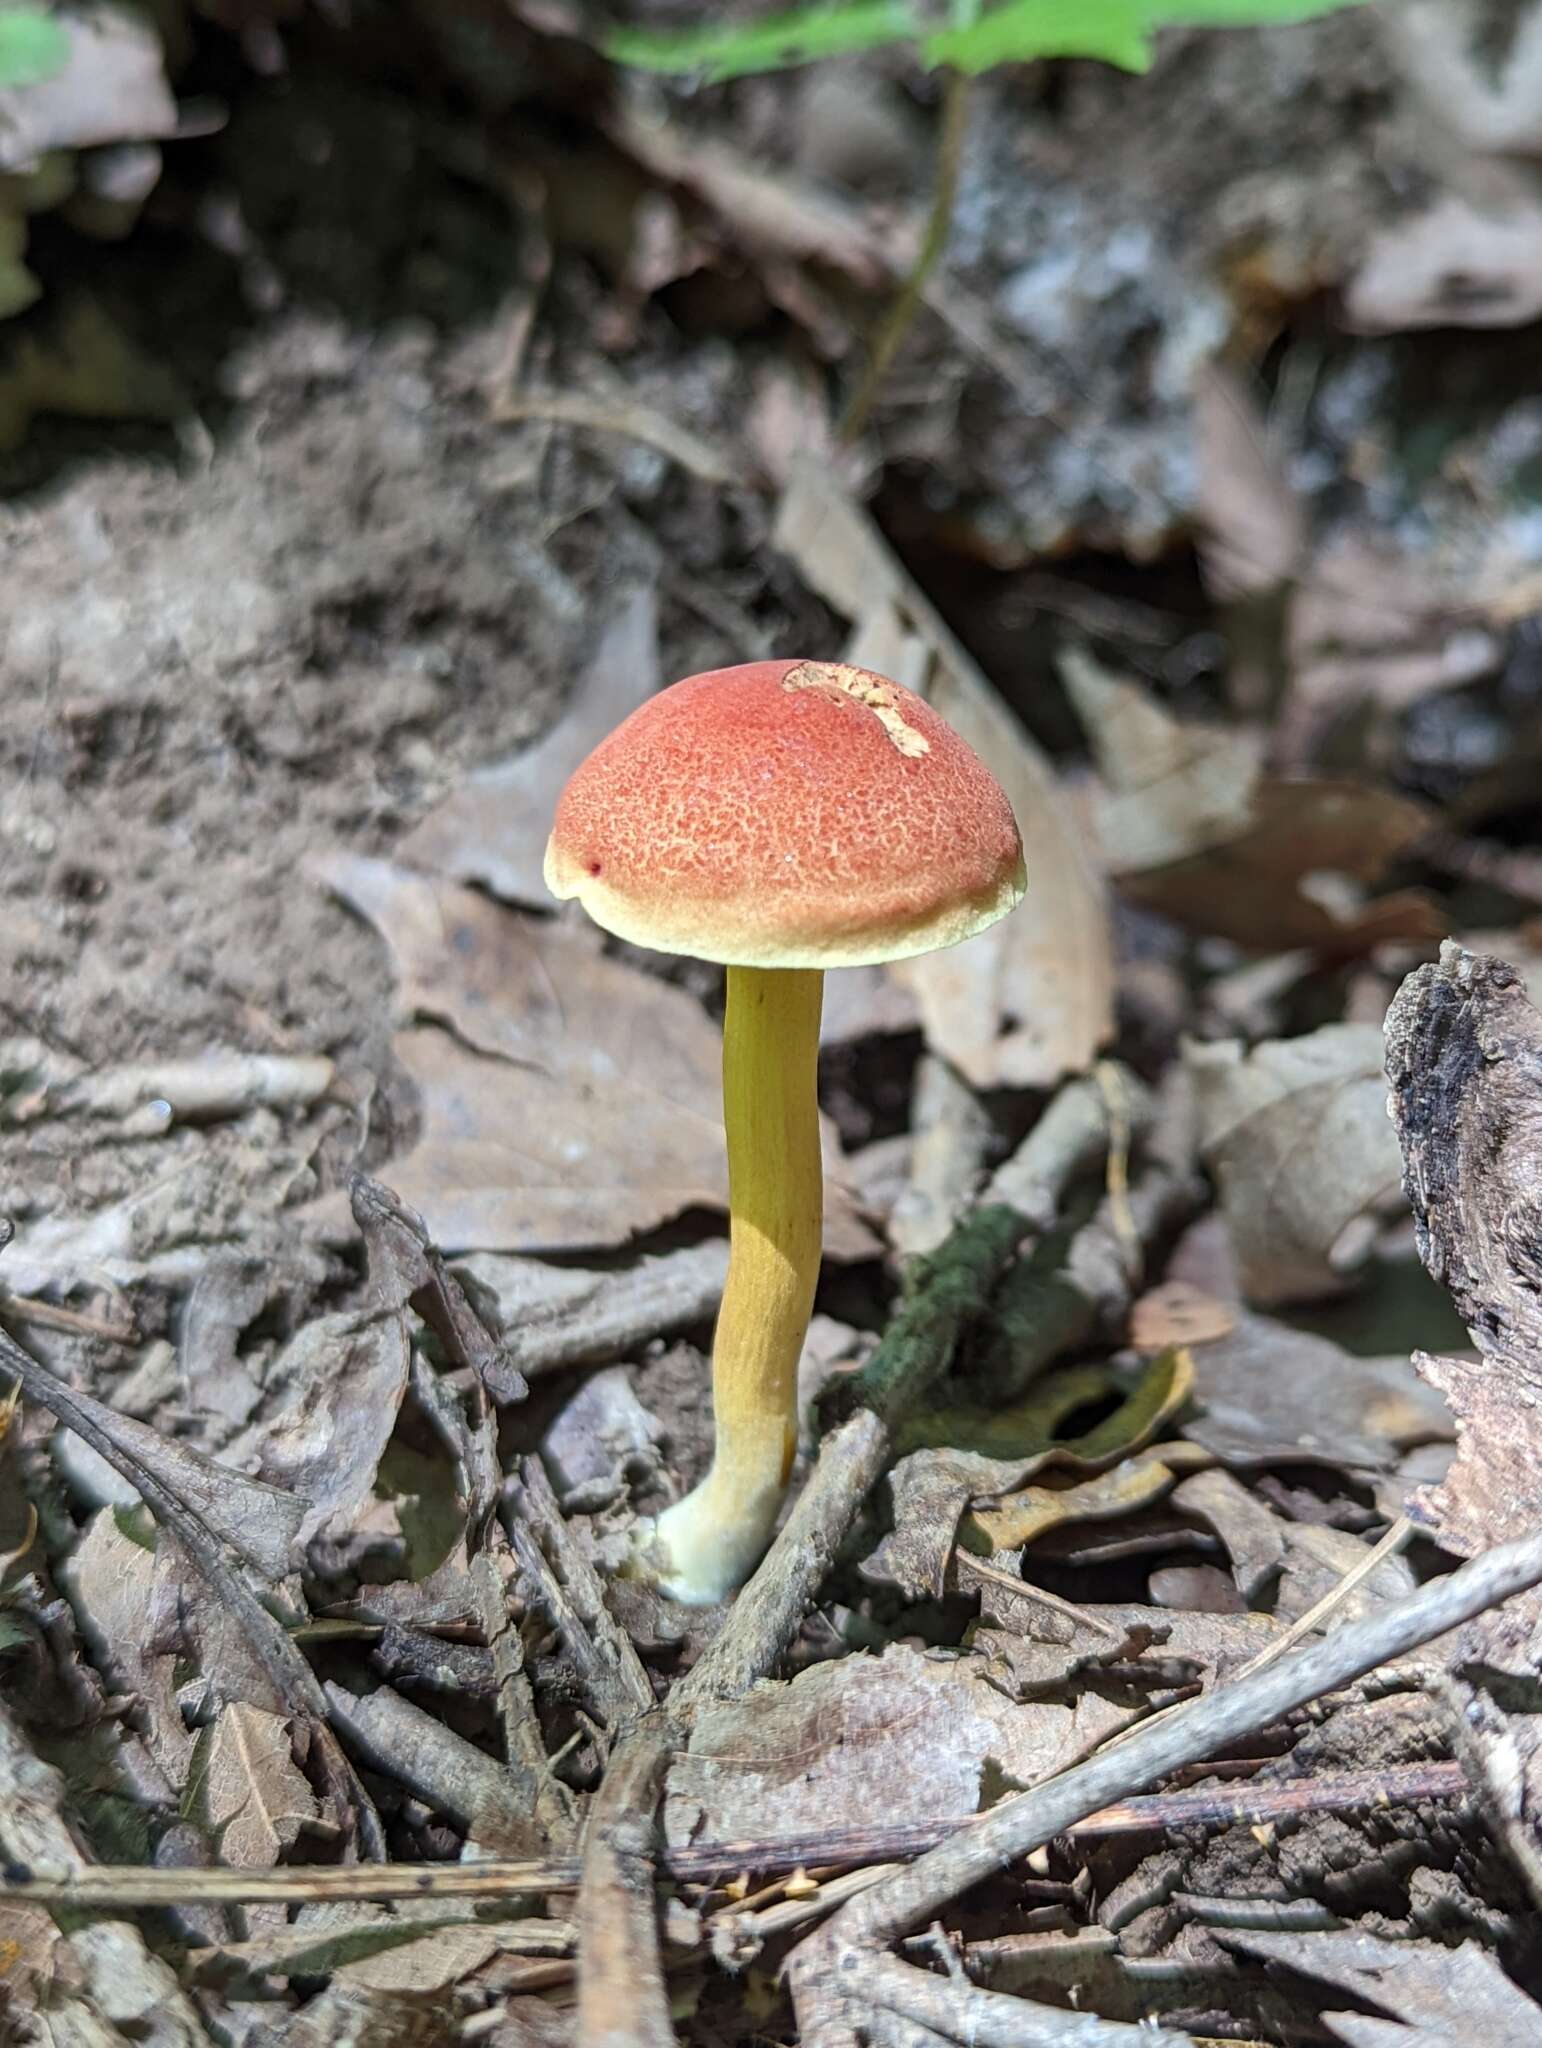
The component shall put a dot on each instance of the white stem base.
(701, 1551)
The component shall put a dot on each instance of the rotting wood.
(1464, 1062)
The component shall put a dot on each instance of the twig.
(714, 1862)
(541, 1793)
(219, 1085)
(896, 323)
(626, 417)
(828, 1969)
(293, 1681)
(623, 2001)
(945, 1291)
(48, 1315)
(1396, 1540)
(991, 2019)
(443, 1768)
(1110, 1080)
(567, 1585)
(952, 1131)
(404, 1264)
(575, 1318)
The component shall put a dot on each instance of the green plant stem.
(896, 323)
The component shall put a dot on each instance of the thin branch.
(623, 2001)
(628, 418)
(896, 322)
(405, 1264)
(568, 1587)
(959, 2011)
(710, 1863)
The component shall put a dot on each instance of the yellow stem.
(714, 1538)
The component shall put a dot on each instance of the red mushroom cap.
(786, 814)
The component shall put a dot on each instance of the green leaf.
(1011, 32)
(32, 46)
(1237, 13)
(748, 48)
(1113, 30)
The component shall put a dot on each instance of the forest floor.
(445, 395)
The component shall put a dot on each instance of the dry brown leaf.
(1270, 1395)
(931, 1488)
(1177, 1312)
(252, 1795)
(1454, 265)
(100, 1975)
(1253, 1534)
(1318, 1559)
(1438, 1994)
(109, 1579)
(1195, 1588)
(348, 1373)
(1018, 1519)
(259, 1522)
(1032, 998)
(112, 89)
(494, 827)
(600, 1114)
(902, 1734)
(1191, 827)
(1296, 1133)
(1254, 531)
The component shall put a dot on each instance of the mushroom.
(781, 818)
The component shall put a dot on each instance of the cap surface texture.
(786, 814)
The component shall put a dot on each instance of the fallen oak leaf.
(250, 1792)
(1295, 1132)
(561, 1139)
(932, 1487)
(1031, 999)
(1213, 843)
(493, 827)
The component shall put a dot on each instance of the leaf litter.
(403, 1648)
